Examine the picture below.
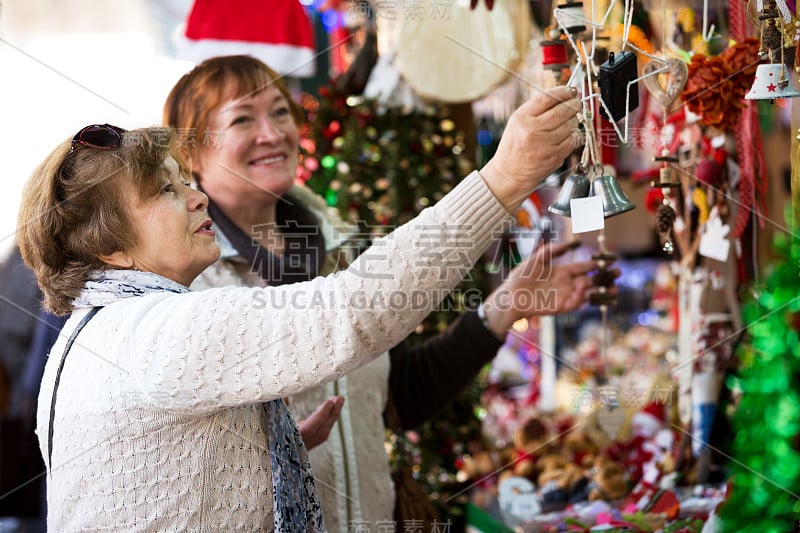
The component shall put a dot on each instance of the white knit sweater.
(158, 423)
(351, 467)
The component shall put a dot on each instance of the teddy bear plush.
(520, 460)
(530, 442)
(580, 446)
(607, 480)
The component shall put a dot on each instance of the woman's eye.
(240, 120)
(281, 111)
(168, 188)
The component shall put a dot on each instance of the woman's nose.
(196, 200)
(269, 132)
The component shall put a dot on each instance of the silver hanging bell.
(773, 80)
(575, 186)
(614, 199)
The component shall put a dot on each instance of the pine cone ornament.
(665, 217)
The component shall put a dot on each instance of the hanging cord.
(601, 241)
(591, 158)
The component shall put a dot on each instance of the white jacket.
(158, 421)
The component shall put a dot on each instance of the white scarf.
(105, 287)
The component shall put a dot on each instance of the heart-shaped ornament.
(666, 86)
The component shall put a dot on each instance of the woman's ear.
(118, 260)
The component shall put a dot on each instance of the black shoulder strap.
(75, 332)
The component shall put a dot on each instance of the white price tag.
(586, 214)
(713, 241)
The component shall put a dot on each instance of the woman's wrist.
(509, 194)
(491, 324)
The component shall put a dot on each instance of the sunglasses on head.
(99, 136)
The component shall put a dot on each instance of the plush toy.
(530, 441)
(660, 467)
(651, 493)
(558, 480)
(607, 480)
(633, 454)
(580, 447)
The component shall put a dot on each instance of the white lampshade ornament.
(773, 80)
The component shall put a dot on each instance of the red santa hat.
(277, 32)
(649, 419)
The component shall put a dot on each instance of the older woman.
(242, 128)
(164, 411)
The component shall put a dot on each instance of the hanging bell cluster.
(577, 185)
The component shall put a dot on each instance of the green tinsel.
(765, 487)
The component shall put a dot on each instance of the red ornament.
(653, 199)
(709, 172)
(716, 85)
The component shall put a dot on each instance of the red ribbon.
(748, 136)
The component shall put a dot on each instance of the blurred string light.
(634, 278)
(520, 325)
(328, 161)
(332, 20)
(485, 137)
(645, 318)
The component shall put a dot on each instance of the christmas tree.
(380, 167)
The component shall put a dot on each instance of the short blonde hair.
(74, 208)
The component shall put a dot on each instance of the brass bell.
(614, 199)
(575, 186)
(772, 81)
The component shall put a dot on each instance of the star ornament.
(771, 87)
